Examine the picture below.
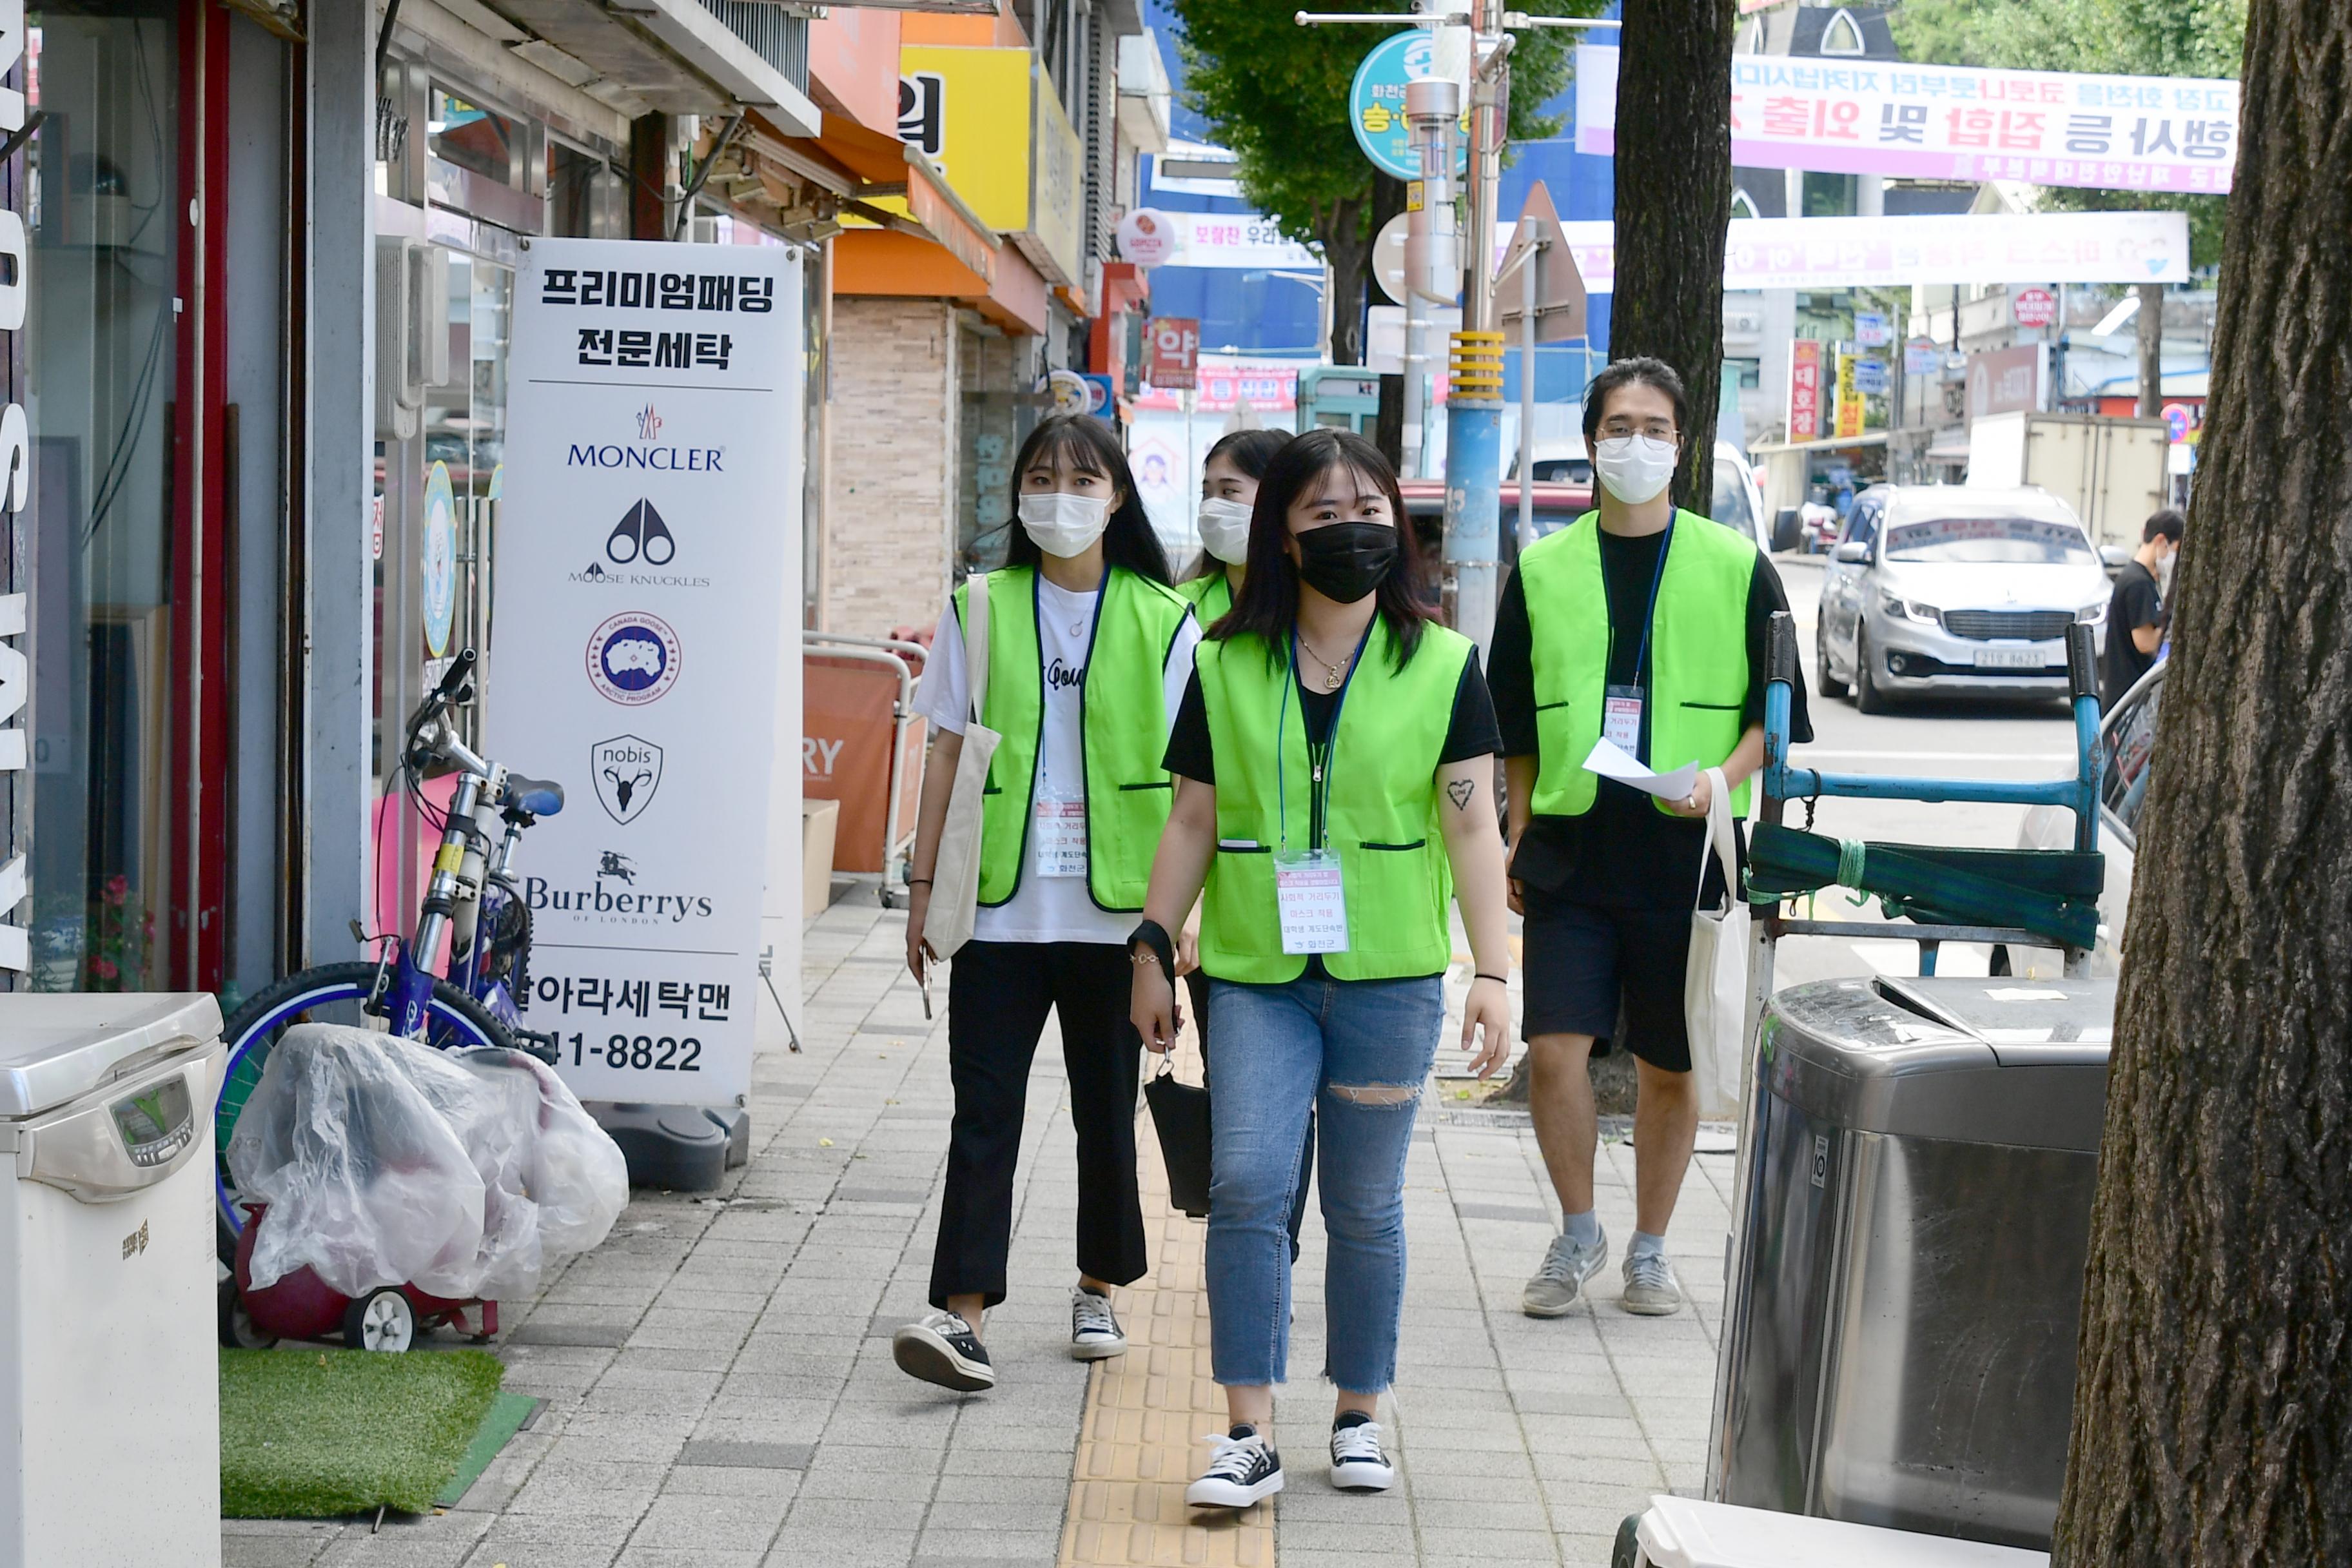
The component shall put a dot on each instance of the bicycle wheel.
(330, 994)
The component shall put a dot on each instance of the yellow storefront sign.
(1849, 398)
(990, 120)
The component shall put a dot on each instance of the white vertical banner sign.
(648, 548)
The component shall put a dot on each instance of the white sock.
(1583, 1229)
(1644, 1242)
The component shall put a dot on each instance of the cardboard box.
(819, 818)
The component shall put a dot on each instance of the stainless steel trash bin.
(1899, 1339)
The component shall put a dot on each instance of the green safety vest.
(1380, 815)
(1697, 665)
(1212, 596)
(1123, 717)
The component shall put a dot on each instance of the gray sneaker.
(1651, 1289)
(1553, 1291)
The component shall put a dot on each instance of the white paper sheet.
(1612, 762)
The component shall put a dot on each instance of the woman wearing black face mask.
(1334, 774)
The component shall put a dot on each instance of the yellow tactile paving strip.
(1147, 1410)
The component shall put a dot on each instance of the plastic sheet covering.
(385, 1161)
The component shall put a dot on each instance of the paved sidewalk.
(720, 1390)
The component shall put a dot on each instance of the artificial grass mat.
(312, 1434)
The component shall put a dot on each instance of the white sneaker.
(1243, 1469)
(1094, 1329)
(1358, 1465)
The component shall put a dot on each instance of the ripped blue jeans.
(1356, 1051)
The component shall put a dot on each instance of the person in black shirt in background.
(1605, 875)
(2136, 614)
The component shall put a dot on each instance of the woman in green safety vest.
(1088, 651)
(1228, 479)
(1643, 627)
(1334, 760)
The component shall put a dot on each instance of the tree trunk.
(2212, 1412)
(2151, 350)
(1347, 253)
(1674, 200)
(1388, 428)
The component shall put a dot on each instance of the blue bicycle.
(471, 899)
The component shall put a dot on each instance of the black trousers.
(1196, 986)
(998, 995)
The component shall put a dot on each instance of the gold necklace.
(1333, 674)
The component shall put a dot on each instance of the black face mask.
(1344, 560)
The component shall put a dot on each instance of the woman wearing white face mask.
(1643, 626)
(1228, 491)
(1089, 653)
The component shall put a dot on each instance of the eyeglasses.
(1618, 429)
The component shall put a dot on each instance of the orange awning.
(889, 261)
(874, 174)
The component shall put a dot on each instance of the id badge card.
(1621, 718)
(1313, 903)
(1057, 829)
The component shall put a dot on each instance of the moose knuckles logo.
(627, 770)
(641, 539)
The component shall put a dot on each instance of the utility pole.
(1473, 408)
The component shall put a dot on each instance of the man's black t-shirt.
(1624, 853)
(2134, 603)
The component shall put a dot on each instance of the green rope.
(1851, 855)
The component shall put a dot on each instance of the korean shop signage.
(1954, 122)
(989, 120)
(643, 557)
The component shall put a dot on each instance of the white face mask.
(1226, 529)
(1065, 525)
(1635, 467)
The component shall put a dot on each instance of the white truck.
(2112, 472)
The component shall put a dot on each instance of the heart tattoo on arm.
(1460, 790)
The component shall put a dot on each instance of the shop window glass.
(473, 137)
(104, 216)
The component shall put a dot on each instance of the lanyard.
(1642, 656)
(1318, 796)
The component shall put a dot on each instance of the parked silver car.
(2127, 749)
(1950, 589)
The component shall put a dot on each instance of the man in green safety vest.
(1642, 625)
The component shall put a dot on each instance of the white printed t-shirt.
(1047, 908)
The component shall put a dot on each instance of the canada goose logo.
(627, 770)
(641, 535)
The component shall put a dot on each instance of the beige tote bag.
(1715, 982)
(955, 873)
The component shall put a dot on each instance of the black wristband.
(1481, 975)
(1154, 935)
(919, 882)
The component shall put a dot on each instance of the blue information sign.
(1376, 103)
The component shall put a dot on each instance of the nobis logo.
(627, 770)
(633, 659)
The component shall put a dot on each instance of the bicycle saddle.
(534, 797)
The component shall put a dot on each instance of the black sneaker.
(1095, 1333)
(1358, 1465)
(1243, 1469)
(942, 1349)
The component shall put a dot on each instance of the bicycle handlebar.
(455, 675)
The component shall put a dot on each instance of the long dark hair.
(1268, 601)
(1085, 443)
(1250, 451)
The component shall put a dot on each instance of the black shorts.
(1580, 960)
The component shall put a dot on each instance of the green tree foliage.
(1277, 94)
(2125, 38)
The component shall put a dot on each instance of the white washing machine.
(109, 1384)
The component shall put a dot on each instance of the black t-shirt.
(1471, 732)
(1624, 853)
(2134, 603)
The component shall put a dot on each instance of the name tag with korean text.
(1621, 718)
(1057, 831)
(1312, 900)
